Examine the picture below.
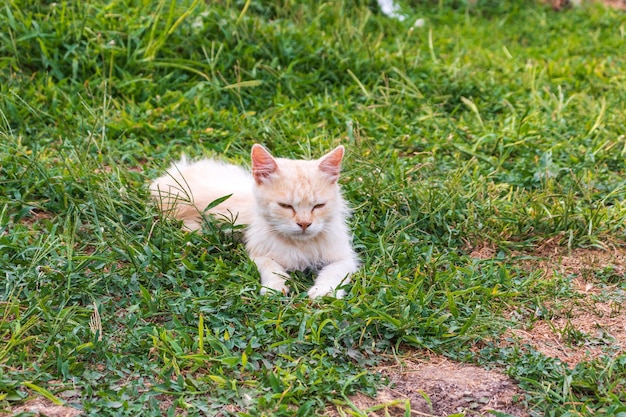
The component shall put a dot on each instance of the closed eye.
(319, 206)
(286, 206)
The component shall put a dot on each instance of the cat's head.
(298, 198)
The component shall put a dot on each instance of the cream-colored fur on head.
(293, 209)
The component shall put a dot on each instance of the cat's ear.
(263, 164)
(331, 163)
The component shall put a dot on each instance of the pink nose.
(304, 225)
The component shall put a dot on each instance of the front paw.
(277, 285)
(320, 291)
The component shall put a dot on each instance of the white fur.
(293, 209)
(189, 187)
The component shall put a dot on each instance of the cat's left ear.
(331, 163)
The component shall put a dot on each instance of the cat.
(293, 212)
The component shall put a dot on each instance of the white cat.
(293, 209)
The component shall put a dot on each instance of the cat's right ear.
(331, 163)
(263, 164)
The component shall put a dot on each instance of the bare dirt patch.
(561, 4)
(43, 407)
(435, 386)
(593, 322)
(618, 4)
(589, 324)
(35, 216)
(577, 335)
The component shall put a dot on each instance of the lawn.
(485, 165)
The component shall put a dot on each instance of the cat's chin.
(301, 236)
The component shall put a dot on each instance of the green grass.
(497, 122)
